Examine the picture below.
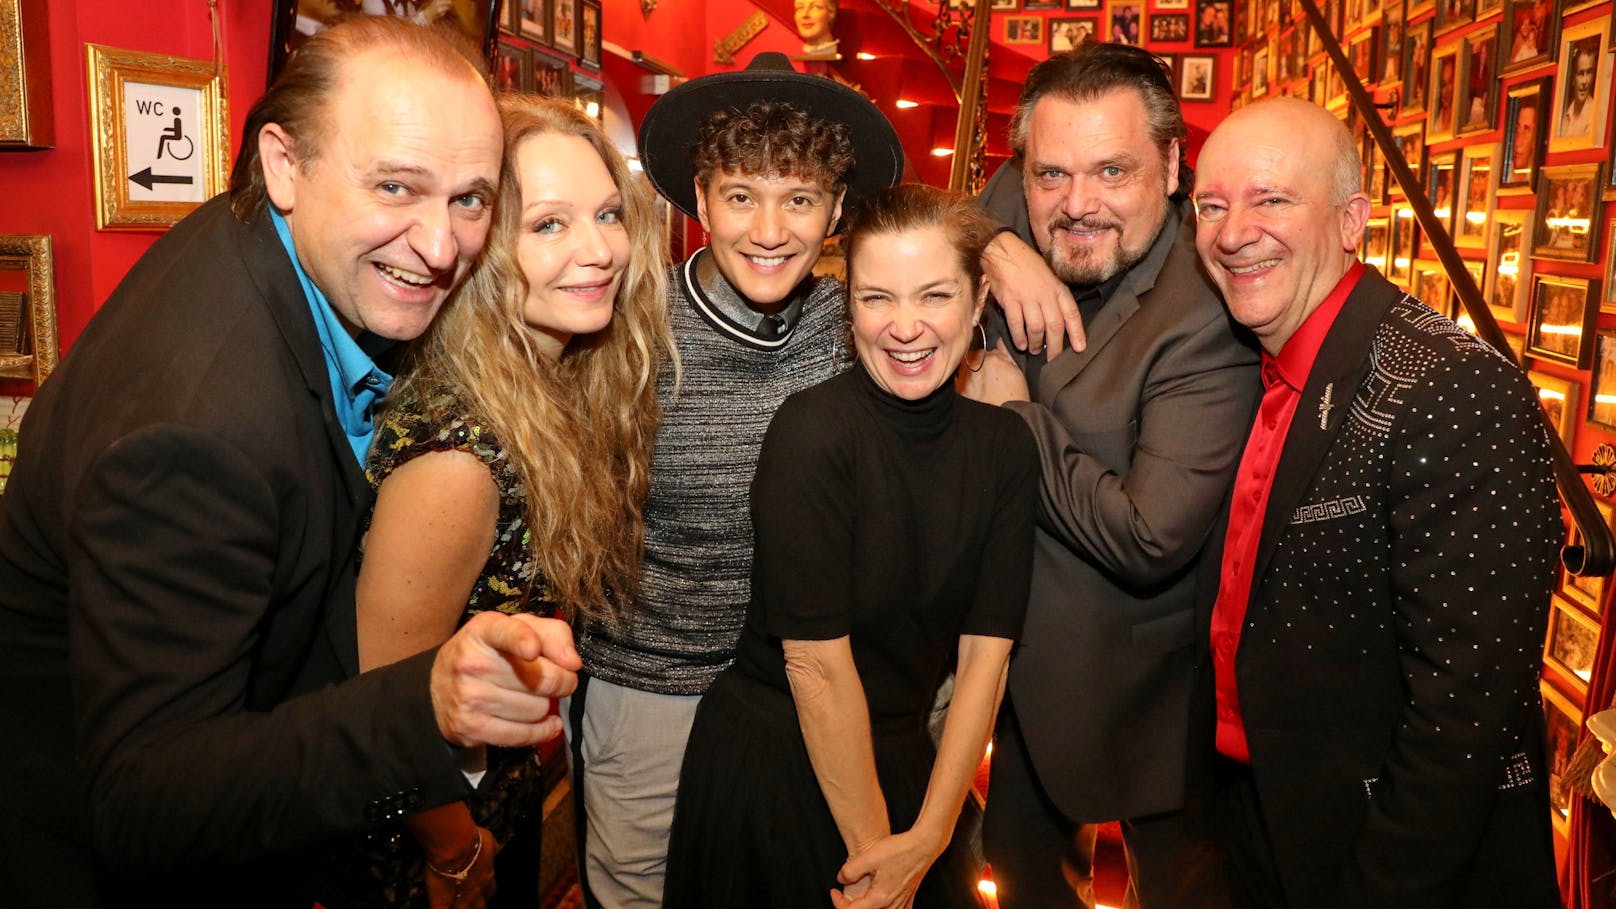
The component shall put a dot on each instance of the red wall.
(52, 191)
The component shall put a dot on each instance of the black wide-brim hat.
(672, 124)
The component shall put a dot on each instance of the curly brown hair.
(773, 138)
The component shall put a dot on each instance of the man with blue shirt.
(185, 719)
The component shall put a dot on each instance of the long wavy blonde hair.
(578, 431)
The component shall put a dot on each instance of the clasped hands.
(494, 681)
(886, 873)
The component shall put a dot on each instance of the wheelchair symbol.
(170, 140)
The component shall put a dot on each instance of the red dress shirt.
(1283, 378)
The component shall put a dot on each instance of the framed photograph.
(1392, 29)
(564, 25)
(1558, 398)
(1524, 136)
(1443, 97)
(1197, 77)
(1091, 4)
(1478, 96)
(552, 77)
(1377, 239)
(1528, 34)
(529, 19)
(296, 20)
(1068, 32)
(1259, 72)
(28, 339)
(1418, 8)
(1475, 197)
(1561, 323)
(159, 136)
(1125, 21)
(1173, 4)
(1410, 139)
(1288, 63)
(1405, 236)
(1563, 723)
(1431, 286)
(1169, 27)
(1006, 6)
(1602, 385)
(589, 34)
(1023, 30)
(1508, 272)
(1416, 68)
(1450, 14)
(1568, 202)
(1212, 23)
(25, 79)
(1362, 52)
(1607, 303)
(1441, 186)
(513, 70)
(1573, 638)
(1581, 87)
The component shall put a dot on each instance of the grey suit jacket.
(1139, 436)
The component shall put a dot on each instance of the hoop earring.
(983, 359)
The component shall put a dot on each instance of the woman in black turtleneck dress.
(893, 524)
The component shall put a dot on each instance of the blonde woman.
(511, 467)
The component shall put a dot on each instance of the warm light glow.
(1377, 261)
(905, 103)
(1400, 263)
(989, 753)
(1476, 217)
(987, 888)
(592, 109)
(942, 152)
(864, 55)
(1442, 212)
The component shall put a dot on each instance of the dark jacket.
(177, 568)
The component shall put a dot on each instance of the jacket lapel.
(1342, 363)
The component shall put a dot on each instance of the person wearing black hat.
(766, 159)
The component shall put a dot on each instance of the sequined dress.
(384, 869)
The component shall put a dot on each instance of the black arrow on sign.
(147, 179)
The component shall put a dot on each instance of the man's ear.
(1354, 215)
(280, 164)
(836, 211)
(701, 207)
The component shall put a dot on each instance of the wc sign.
(163, 144)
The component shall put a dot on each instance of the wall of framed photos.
(1502, 108)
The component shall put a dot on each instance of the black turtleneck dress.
(903, 524)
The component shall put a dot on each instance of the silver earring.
(984, 333)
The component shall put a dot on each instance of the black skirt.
(751, 827)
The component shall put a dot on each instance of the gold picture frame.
(31, 254)
(25, 98)
(143, 107)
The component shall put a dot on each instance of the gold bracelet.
(459, 877)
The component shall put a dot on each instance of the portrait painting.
(1529, 31)
(1524, 136)
(1196, 77)
(1416, 68)
(1581, 88)
(1558, 398)
(1563, 723)
(1212, 25)
(1573, 638)
(1602, 386)
(1475, 198)
(1568, 209)
(1443, 96)
(1507, 266)
(564, 25)
(1478, 102)
(1561, 324)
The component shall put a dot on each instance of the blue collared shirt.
(357, 384)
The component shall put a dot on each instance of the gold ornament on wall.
(724, 48)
